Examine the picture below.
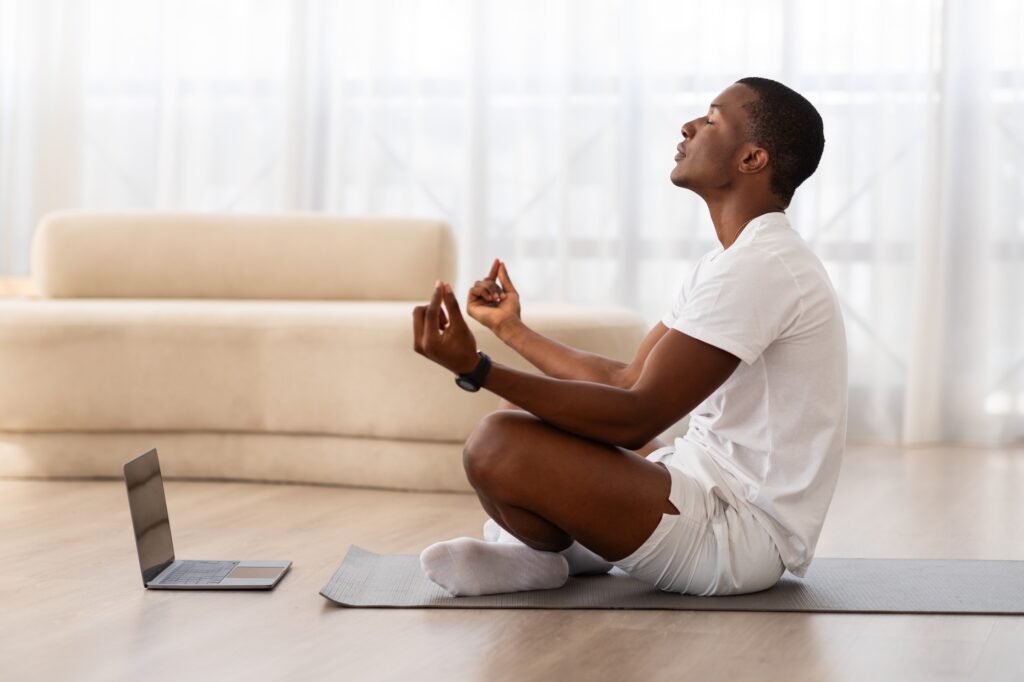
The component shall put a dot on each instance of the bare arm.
(565, 362)
(679, 374)
(494, 302)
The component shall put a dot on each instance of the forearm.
(626, 417)
(601, 412)
(559, 360)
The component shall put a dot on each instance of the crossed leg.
(570, 501)
(548, 487)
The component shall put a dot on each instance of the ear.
(755, 159)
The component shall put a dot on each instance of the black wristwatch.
(472, 381)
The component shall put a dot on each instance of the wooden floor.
(72, 605)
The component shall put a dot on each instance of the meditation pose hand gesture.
(444, 338)
(491, 304)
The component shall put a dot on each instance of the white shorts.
(711, 547)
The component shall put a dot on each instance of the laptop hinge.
(156, 571)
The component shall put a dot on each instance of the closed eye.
(708, 121)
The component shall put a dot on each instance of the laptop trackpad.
(255, 572)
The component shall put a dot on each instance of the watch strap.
(476, 377)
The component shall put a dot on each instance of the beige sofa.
(247, 347)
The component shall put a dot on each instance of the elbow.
(633, 444)
(647, 428)
(624, 378)
(636, 438)
(639, 443)
(636, 425)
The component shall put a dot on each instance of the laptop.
(160, 570)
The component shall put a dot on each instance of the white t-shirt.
(774, 433)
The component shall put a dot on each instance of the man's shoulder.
(757, 260)
(783, 248)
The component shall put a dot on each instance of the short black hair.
(789, 127)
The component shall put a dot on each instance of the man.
(753, 349)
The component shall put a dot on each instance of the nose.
(688, 129)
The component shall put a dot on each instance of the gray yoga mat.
(365, 579)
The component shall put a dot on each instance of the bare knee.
(487, 453)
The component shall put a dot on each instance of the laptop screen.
(149, 514)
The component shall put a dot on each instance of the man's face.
(713, 145)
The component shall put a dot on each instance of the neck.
(731, 215)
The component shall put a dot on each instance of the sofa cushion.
(285, 256)
(330, 368)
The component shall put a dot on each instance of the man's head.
(758, 135)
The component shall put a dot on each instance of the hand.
(491, 304)
(444, 338)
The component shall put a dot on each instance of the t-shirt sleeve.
(669, 318)
(741, 306)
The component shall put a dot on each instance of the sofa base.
(282, 458)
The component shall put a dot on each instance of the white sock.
(467, 567)
(581, 560)
(495, 533)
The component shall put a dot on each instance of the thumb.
(503, 277)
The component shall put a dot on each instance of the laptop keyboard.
(199, 573)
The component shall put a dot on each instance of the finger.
(486, 290)
(418, 314)
(434, 306)
(506, 282)
(442, 319)
(452, 305)
(433, 321)
(479, 293)
(494, 269)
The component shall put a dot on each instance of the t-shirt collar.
(751, 228)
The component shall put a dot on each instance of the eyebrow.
(714, 106)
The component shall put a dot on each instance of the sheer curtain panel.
(544, 130)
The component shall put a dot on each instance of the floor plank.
(73, 606)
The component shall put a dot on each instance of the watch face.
(466, 384)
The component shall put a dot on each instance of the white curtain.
(544, 131)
